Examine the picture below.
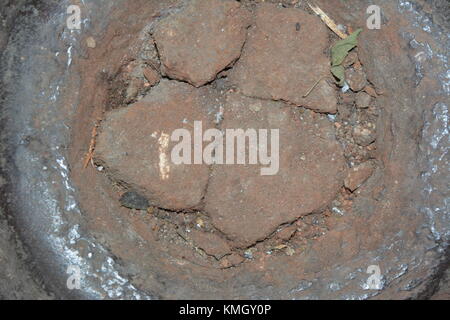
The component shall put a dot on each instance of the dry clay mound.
(282, 58)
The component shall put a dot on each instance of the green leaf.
(341, 49)
(339, 73)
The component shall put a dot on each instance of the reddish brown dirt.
(135, 147)
(201, 40)
(248, 206)
(282, 61)
(157, 244)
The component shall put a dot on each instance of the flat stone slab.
(284, 57)
(201, 40)
(247, 206)
(134, 145)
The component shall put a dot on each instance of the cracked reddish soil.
(212, 228)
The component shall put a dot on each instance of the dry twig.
(313, 87)
(90, 154)
(327, 20)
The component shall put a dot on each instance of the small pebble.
(151, 75)
(363, 136)
(363, 100)
(290, 252)
(133, 200)
(350, 60)
(90, 42)
(248, 254)
(200, 223)
(356, 79)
